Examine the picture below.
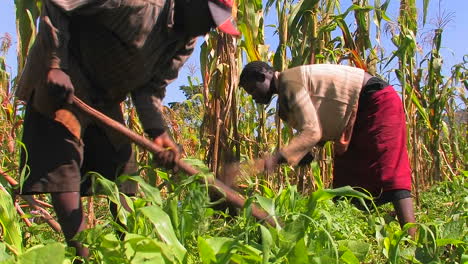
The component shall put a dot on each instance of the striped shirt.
(110, 49)
(320, 102)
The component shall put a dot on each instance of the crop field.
(172, 218)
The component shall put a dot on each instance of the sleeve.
(306, 122)
(54, 26)
(148, 99)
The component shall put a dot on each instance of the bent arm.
(54, 30)
(307, 122)
(148, 99)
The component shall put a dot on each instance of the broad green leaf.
(269, 206)
(223, 249)
(220, 244)
(5, 258)
(110, 189)
(327, 194)
(299, 254)
(349, 258)
(9, 221)
(449, 241)
(43, 254)
(146, 250)
(164, 229)
(360, 249)
(207, 253)
(151, 193)
(267, 242)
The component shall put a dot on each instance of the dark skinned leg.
(405, 213)
(70, 215)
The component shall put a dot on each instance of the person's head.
(257, 80)
(198, 17)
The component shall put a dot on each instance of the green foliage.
(180, 227)
(43, 254)
(10, 223)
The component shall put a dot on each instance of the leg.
(405, 213)
(69, 210)
(403, 204)
(53, 155)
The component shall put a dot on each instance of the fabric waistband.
(373, 85)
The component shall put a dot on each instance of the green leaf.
(267, 242)
(425, 5)
(359, 249)
(110, 189)
(221, 249)
(164, 229)
(327, 194)
(5, 258)
(9, 222)
(220, 244)
(268, 205)
(207, 254)
(349, 258)
(27, 13)
(449, 241)
(146, 250)
(43, 254)
(151, 193)
(299, 254)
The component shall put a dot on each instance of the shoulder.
(317, 69)
(291, 77)
(291, 83)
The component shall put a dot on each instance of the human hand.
(60, 86)
(269, 163)
(170, 155)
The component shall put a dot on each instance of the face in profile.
(259, 87)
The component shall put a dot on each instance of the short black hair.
(252, 69)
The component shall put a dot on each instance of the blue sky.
(454, 42)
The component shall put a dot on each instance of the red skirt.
(377, 158)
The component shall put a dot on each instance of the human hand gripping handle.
(269, 163)
(170, 156)
(60, 86)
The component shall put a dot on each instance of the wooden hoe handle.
(232, 196)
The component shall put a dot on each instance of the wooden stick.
(34, 204)
(21, 213)
(231, 195)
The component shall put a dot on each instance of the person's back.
(118, 48)
(129, 47)
(331, 91)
